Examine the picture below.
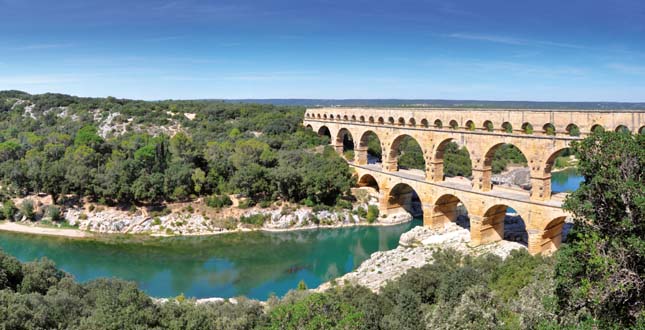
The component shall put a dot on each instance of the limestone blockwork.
(539, 134)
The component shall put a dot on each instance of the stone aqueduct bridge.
(482, 132)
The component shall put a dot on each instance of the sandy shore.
(20, 228)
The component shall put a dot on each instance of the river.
(253, 264)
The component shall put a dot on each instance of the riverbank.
(39, 230)
(196, 218)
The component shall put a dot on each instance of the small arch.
(308, 116)
(325, 116)
(412, 122)
(507, 127)
(362, 119)
(381, 121)
(454, 124)
(390, 121)
(424, 123)
(353, 118)
(367, 180)
(641, 130)
(403, 196)
(488, 126)
(573, 130)
(622, 129)
(371, 120)
(470, 125)
(318, 116)
(549, 129)
(345, 118)
(401, 121)
(527, 128)
(309, 127)
(438, 123)
(597, 128)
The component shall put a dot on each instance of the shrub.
(53, 213)
(345, 204)
(82, 216)
(308, 202)
(265, 204)
(361, 212)
(219, 201)
(255, 219)
(245, 204)
(9, 209)
(27, 209)
(372, 213)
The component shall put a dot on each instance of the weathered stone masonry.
(482, 132)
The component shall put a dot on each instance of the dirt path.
(19, 228)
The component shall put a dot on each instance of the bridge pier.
(360, 155)
(541, 187)
(482, 178)
(488, 228)
(435, 170)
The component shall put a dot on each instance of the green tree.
(602, 270)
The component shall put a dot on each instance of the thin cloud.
(501, 39)
(40, 46)
(627, 68)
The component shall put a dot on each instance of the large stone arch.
(436, 164)
(403, 197)
(443, 211)
(361, 147)
(391, 160)
(324, 130)
(344, 141)
(548, 237)
(489, 227)
(482, 166)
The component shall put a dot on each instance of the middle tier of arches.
(539, 153)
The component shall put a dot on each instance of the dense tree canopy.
(123, 151)
(601, 272)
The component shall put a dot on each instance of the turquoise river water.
(253, 264)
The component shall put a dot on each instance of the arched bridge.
(539, 134)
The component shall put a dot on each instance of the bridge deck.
(463, 184)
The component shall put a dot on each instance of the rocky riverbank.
(196, 218)
(416, 249)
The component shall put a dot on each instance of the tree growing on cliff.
(601, 273)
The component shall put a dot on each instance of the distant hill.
(447, 103)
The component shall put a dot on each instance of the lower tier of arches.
(486, 211)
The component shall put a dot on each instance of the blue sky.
(575, 50)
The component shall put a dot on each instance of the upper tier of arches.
(555, 124)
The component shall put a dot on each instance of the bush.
(245, 204)
(219, 201)
(9, 210)
(53, 213)
(265, 204)
(372, 213)
(255, 219)
(345, 204)
(361, 212)
(27, 209)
